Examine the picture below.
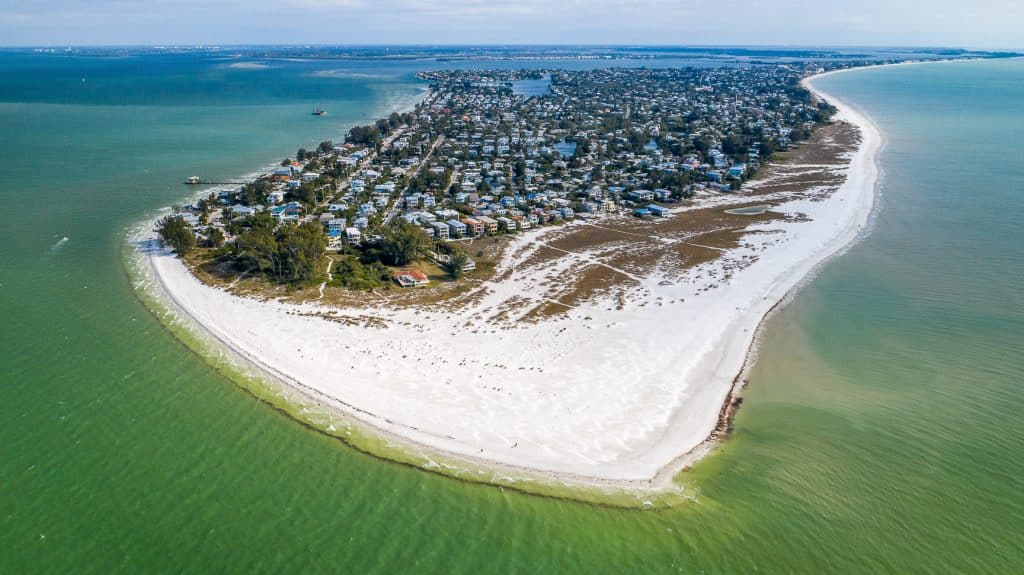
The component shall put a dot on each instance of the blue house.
(457, 229)
(657, 210)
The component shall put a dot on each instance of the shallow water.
(881, 431)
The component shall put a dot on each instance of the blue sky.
(980, 23)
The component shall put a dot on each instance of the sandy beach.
(596, 395)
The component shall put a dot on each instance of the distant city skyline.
(989, 24)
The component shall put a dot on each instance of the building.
(490, 224)
(475, 226)
(642, 195)
(440, 230)
(411, 278)
(456, 228)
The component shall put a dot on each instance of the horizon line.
(212, 45)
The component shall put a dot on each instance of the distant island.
(545, 274)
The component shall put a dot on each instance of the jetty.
(197, 181)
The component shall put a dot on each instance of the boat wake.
(60, 243)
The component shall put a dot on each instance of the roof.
(411, 277)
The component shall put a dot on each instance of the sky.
(986, 24)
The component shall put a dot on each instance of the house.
(521, 222)
(658, 210)
(282, 174)
(240, 210)
(190, 218)
(411, 278)
(353, 235)
(737, 171)
(456, 228)
(475, 226)
(289, 212)
(440, 230)
(442, 259)
(641, 212)
(490, 224)
(334, 238)
(507, 224)
(642, 195)
(336, 224)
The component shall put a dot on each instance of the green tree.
(257, 249)
(255, 193)
(215, 238)
(456, 264)
(176, 232)
(300, 249)
(403, 243)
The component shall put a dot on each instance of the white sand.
(619, 397)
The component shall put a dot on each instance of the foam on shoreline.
(601, 397)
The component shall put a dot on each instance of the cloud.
(789, 22)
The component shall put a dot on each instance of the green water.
(882, 431)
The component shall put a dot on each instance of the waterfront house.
(411, 278)
(440, 230)
(456, 228)
(475, 226)
(490, 224)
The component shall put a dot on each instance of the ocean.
(881, 430)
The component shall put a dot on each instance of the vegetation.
(455, 266)
(214, 238)
(402, 244)
(176, 232)
(290, 254)
(255, 193)
(354, 274)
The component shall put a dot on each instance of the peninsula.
(549, 273)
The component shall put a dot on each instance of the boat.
(193, 180)
(319, 111)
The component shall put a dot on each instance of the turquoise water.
(881, 431)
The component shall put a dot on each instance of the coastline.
(867, 153)
(715, 371)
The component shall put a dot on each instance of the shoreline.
(873, 141)
(736, 347)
